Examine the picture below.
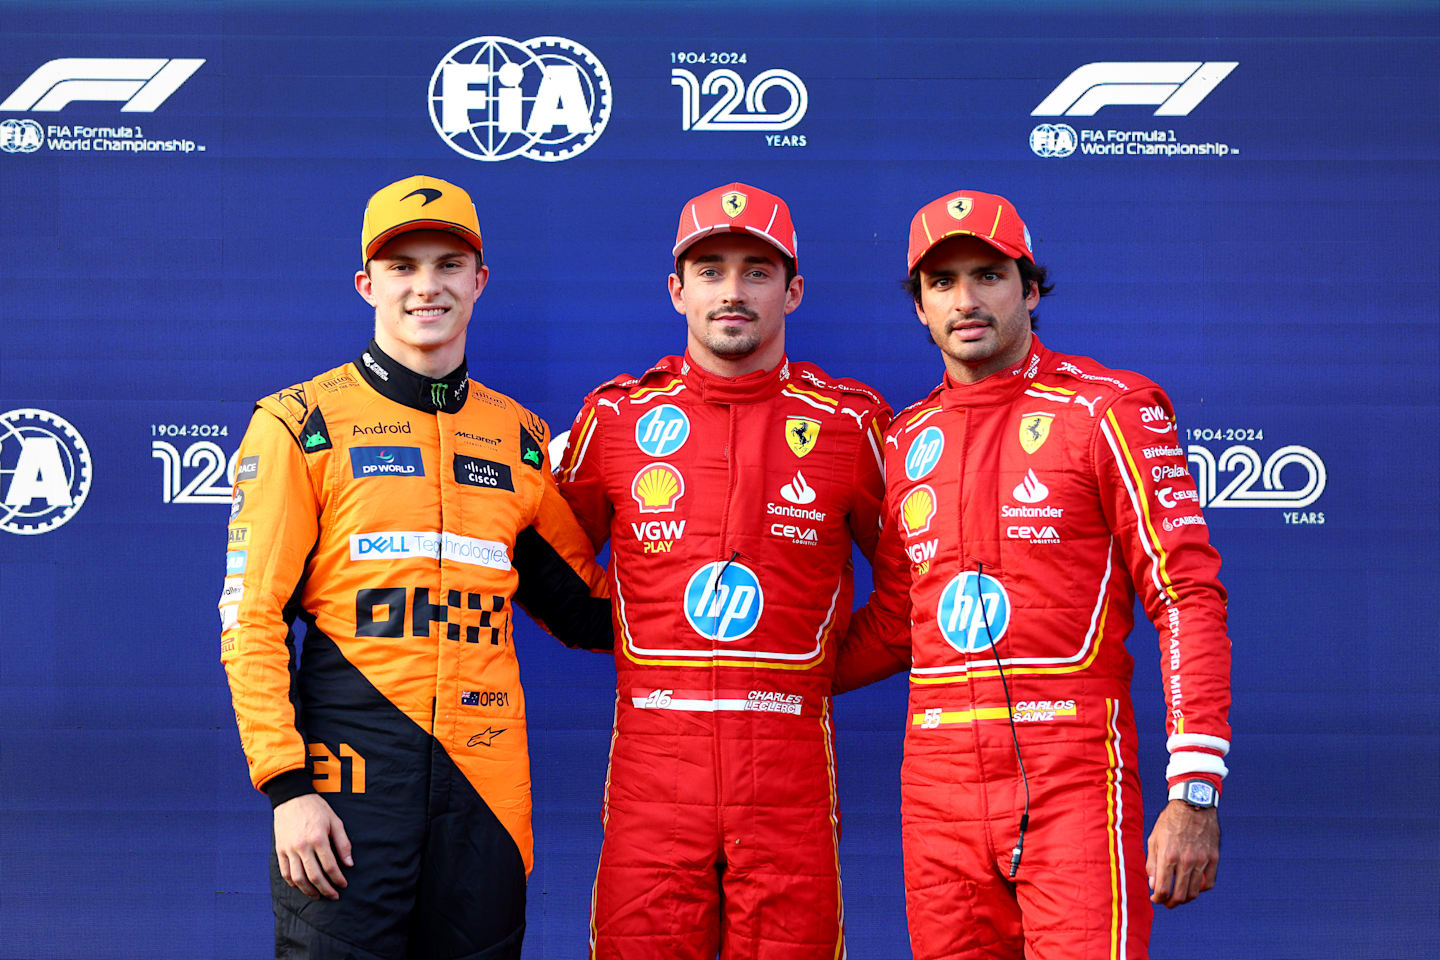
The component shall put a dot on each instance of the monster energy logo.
(437, 394)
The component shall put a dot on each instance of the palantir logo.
(143, 83)
(1176, 86)
(44, 471)
(546, 98)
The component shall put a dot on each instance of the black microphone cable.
(1010, 715)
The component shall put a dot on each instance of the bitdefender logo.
(546, 98)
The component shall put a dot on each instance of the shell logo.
(918, 509)
(656, 488)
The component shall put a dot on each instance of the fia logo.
(546, 98)
(44, 471)
(730, 92)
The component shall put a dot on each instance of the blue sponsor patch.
(387, 462)
(235, 562)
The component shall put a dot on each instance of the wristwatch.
(1200, 794)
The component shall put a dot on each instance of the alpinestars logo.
(142, 83)
(1176, 86)
(546, 98)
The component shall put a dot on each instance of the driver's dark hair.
(1030, 273)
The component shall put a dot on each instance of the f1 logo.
(142, 83)
(1177, 86)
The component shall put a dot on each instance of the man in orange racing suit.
(1028, 499)
(730, 483)
(399, 509)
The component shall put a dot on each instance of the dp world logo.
(1053, 140)
(44, 471)
(493, 98)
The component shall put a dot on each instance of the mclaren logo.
(426, 194)
(1175, 87)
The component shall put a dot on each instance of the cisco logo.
(546, 98)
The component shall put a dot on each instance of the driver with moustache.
(730, 483)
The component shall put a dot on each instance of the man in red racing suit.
(1029, 498)
(730, 483)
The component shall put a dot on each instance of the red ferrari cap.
(736, 208)
(969, 213)
(417, 203)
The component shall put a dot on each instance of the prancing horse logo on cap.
(960, 207)
(425, 192)
(733, 203)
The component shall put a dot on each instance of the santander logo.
(798, 491)
(1030, 490)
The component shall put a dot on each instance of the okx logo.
(142, 83)
(1176, 86)
(44, 471)
(493, 98)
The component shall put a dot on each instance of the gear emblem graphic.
(546, 98)
(45, 471)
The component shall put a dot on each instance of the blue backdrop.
(1239, 202)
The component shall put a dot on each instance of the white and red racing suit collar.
(749, 388)
(1001, 386)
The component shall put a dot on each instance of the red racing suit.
(1030, 508)
(730, 506)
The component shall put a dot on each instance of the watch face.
(1199, 793)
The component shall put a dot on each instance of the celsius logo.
(1177, 86)
(1053, 140)
(44, 471)
(493, 98)
(21, 136)
(142, 83)
(730, 91)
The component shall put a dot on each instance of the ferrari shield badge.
(733, 203)
(1034, 430)
(960, 207)
(801, 434)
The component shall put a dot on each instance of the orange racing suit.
(400, 518)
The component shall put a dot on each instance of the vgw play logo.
(44, 471)
(546, 98)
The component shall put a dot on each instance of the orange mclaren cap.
(736, 208)
(969, 213)
(417, 203)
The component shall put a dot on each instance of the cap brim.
(1014, 253)
(690, 239)
(444, 226)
